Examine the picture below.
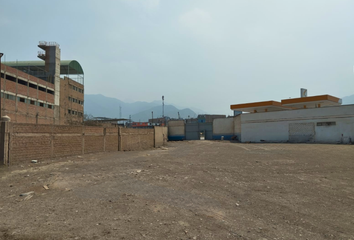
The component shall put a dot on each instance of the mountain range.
(348, 99)
(98, 105)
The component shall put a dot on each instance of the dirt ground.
(191, 190)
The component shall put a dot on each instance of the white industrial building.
(319, 119)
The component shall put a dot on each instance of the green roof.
(67, 67)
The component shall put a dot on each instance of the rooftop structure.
(68, 68)
(267, 106)
(289, 104)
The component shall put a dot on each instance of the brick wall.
(137, 139)
(94, 139)
(25, 112)
(45, 141)
(66, 91)
(111, 141)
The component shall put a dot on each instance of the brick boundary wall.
(22, 142)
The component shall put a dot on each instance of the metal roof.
(105, 119)
(67, 67)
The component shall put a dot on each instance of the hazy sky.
(206, 54)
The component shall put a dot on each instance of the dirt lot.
(192, 190)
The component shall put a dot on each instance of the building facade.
(71, 101)
(26, 98)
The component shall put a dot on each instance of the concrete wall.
(323, 125)
(176, 130)
(223, 127)
(227, 127)
(25, 142)
(237, 127)
(160, 136)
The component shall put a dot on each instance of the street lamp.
(1, 54)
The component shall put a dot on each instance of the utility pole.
(178, 116)
(152, 118)
(1, 54)
(163, 109)
(120, 113)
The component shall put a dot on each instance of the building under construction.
(48, 91)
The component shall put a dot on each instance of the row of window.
(27, 84)
(26, 100)
(74, 100)
(76, 88)
(72, 112)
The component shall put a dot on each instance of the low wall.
(133, 139)
(21, 142)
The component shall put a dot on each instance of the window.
(50, 91)
(20, 99)
(41, 89)
(10, 78)
(32, 102)
(319, 124)
(69, 111)
(22, 82)
(31, 85)
(9, 96)
(69, 99)
(41, 104)
(50, 106)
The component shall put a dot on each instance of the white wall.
(274, 126)
(237, 126)
(223, 126)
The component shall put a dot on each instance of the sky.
(204, 54)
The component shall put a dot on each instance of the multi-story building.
(26, 98)
(49, 91)
(71, 101)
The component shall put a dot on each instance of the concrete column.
(83, 140)
(52, 142)
(104, 139)
(5, 144)
(119, 139)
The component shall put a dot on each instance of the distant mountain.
(101, 106)
(170, 111)
(348, 100)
